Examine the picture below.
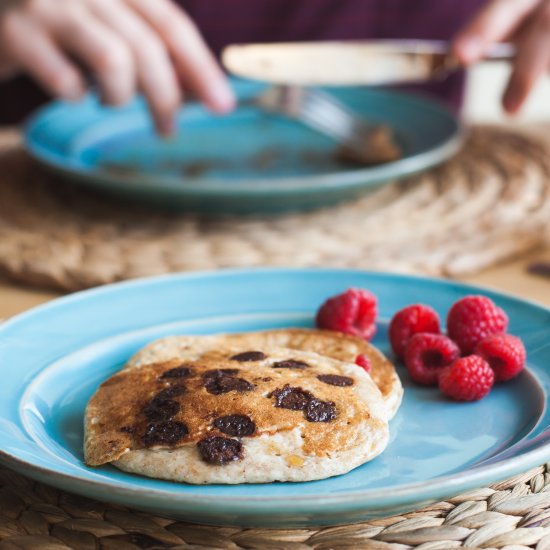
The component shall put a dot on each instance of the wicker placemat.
(489, 203)
(513, 515)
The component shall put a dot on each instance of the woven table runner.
(489, 203)
(512, 515)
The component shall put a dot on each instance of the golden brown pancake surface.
(331, 344)
(234, 394)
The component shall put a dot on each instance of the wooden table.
(511, 277)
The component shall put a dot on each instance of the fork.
(325, 114)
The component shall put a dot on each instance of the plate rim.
(362, 178)
(439, 487)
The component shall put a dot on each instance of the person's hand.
(524, 22)
(127, 45)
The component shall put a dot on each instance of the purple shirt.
(240, 21)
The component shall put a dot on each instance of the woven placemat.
(513, 515)
(489, 203)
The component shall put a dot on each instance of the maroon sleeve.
(18, 98)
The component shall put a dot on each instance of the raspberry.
(427, 354)
(473, 318)
(408, 322)
(467, 379)
(504, 353)
(364, 362)
(353, 312)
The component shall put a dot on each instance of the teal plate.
(55, 356)
(246, 162)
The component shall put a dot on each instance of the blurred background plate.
(247, 162)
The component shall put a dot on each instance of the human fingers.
(27, 45)
(493, 23)
(195, 62)
(156, 75)
(532, 60)
(101, 49)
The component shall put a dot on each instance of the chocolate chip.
(222, 381)
(238, 425)
(249, 356)
(161, 409)
(320, 411)
(224, 384)
(336, 380)
(290, 364)
(288, 397)
(169, 432)
(170, 391)
(177, 372)
(127, 429)
(220, 450)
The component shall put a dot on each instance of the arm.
(128, 45)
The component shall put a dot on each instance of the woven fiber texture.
(512, 515)
(489, 203)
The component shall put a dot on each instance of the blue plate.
(54, 357)
(246, 162)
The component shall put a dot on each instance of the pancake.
(335, 345)
(237, 416)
